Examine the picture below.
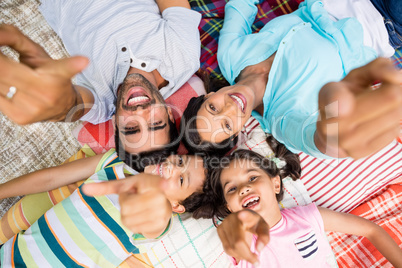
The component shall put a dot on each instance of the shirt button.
(131, 60)
(124, 49)
(283, 42)
(143, 65)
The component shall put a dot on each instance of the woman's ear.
(176, 207)
(170, 113)
(277, 184)
(209, 94)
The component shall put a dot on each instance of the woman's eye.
(181, 181)
(157, 123)
(212, 107)
(180, 161)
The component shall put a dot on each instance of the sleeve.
(236, 47)
(311, 213)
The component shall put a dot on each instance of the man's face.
(142, 117)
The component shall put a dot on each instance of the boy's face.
(246, 186)
(185, 174)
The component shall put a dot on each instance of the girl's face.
(185, 175)
(246, 186)
(224, 113)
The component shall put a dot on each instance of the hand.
(44, 88)
(144, 207)
(234, 231)
(356, 120)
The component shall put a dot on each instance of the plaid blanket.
(212, 19)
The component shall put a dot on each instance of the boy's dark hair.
(140, 160)
(214, 203)
(191, 138)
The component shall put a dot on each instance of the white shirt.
(105, 32)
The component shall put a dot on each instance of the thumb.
(66, 68)
(336, 100)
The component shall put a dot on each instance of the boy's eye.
(253, 178)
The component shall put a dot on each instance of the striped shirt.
(106, 32)
(80, 231)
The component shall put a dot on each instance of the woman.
(279, 72)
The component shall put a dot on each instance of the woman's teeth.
(239, 101)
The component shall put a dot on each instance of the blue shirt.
(311, 50)
(106, 31)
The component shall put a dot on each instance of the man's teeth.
(251, 201)
(240, 101)
(138, 99)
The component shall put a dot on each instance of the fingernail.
(260, 247)
(256, 264)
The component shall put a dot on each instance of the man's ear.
(176, 207)
(170, 113)
(114, 122)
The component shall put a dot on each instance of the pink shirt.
(297, 240)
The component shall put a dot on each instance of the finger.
(381, 69)
(375, 103)
(108, 187)
(376, 144)
(256, 225)
(362, 135)
(66, 68)
(31, 53)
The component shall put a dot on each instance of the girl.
(87, 231)
(277, 74)
(248, 188)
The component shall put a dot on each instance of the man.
(139, 53)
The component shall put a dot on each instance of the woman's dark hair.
(191, 137)
(214, 203)
(140, 160)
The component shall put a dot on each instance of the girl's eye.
(212, 107)
(232, 189)
(253, 178)
(181, 181)
(157, 123)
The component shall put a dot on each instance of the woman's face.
(246, 186)
(224, 113)
(185, 174)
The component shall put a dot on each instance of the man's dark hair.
(140, 160)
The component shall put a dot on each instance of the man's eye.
(181, 180)
(157, 123)
(228, 126)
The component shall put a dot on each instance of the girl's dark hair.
(140, 160)
(191, 138)
(214, 203)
